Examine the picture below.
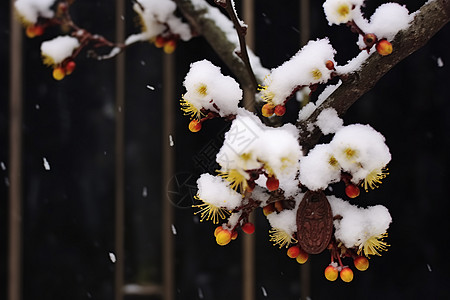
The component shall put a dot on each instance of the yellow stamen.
(211, 212)
(343, 11)
(235, 178)
(47, 60)
(349, 153)
(374, 245)
(202, 90)
(316, 74)
(333, 161)
(280, 237)
(373, 180)
(190, 110)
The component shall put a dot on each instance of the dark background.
(68, 211)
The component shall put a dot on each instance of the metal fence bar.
(120, 155)
(15, 164)
(248, 246)
(167, 173)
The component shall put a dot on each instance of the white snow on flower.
(207, 87)
(261, 194)
(340, 11)
(319, 168)
(216, 191)
(360, 150)
(284, 220)
(30, 10)
(388, 19)
(233, 219)
(250, 145)
(55, 51)
(358, 225)
(155, 16)
(306, 67)
(328, 121)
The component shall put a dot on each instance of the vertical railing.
(15, 165)
(248, 246)
(120, 155)
(305, 270)
(167, 173)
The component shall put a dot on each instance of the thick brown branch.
(427, 22)
(216, 37)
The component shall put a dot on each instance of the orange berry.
(278, 206)
(361, 263)
(170, 46)
(329, 64)
(268, 109)
(352, 191)
(331, 273)
(268, 209)
(195, 126)
(280, 110)
(217, 230)
(70, 66)
(384, 47)
(59, 73)
(223, 237)
(293, 251)
(248, 228)
(34, 30)
(346, 274)
(302, 257)
(272, 183)
(160, 41)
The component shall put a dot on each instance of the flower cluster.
(266, 167)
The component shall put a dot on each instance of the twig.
(241, 32)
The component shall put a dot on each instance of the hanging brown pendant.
(314, 222)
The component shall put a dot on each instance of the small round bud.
(331, 273)
(272, 183)
(361, 263)
(59, 73)
(346, 274)
(267, 110)
(217, 230)
(248, 228)
(352, 191)
(223, 237)
(195, 126)
(293, 251)
(170, 46)
(302, 257)
(70, 66)
(384, 47)
(268, 209)
(280, 110)
(369, 39)
(160, 41)
(329, 64)
(234, 235)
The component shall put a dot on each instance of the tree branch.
(427, 22)
(202, 21)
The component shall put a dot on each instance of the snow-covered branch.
(427, 22)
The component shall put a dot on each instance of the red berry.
(195, 126)
(346, 274)
(280, 110)
(329, 64)
(248, 228)
(370, 39)
(331, 273)
(170, 46)
(361, 263)
(70, 66)
(267, 110)
(352, 191)
(272, 183)
(293, 251)
(160, 41)
(384, 47)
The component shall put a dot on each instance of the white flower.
(55, 51)
(340, 11)
(30, 10)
